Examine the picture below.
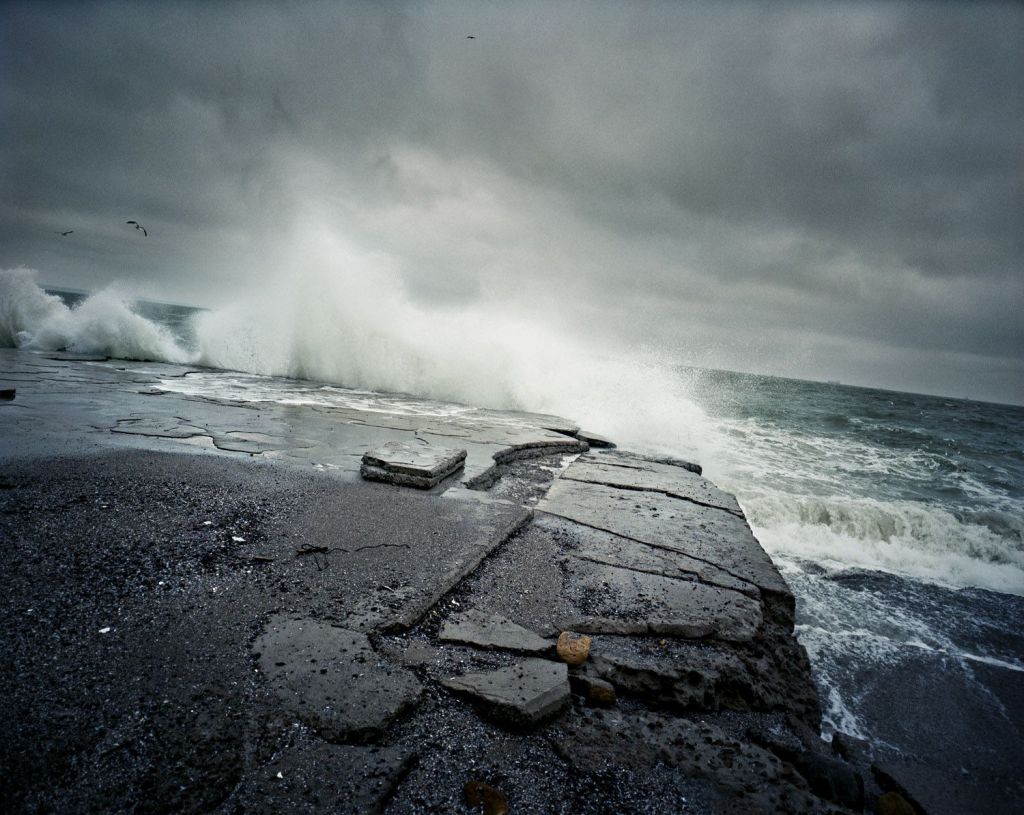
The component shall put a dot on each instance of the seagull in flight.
(65, 234)
(139, 226)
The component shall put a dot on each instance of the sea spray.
(336, 316)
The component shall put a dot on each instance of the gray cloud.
(792, 179)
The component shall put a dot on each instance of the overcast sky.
(827, 191)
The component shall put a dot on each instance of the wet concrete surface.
(173, 565)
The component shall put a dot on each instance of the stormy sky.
(826, 191)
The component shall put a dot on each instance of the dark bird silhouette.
(470, 37)
(65, 234)
(139, 226)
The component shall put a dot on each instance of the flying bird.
(139, 226)
(65, 234)
(470, 37)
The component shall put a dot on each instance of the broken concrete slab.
(413, 466)
(713, 535)
(434, 566)
(594, 439)
(523, 694)
(614, 600)
(239, 441)
(168, 428)
(635, 473)
(492, 631)
(525, 445)
(332, 679)
(595, 545)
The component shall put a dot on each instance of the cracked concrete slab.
(492, 631)
(587, 543)
(332, 679)
(649, 476)
(522, 694)
(623, 601)
(170, 428)
(240, 441)
(712, 535)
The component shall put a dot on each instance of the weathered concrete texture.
(429, 570)
(586, 543)
(766, 675)
(669, 628)
(745, 778)
(634, 473)
(332, 679)
(713, 535)
(313, 777)
(413, 466)
(625, 601)
(492, 631)
(523, 694)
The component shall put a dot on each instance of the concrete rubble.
(403, 464)
(328, 643)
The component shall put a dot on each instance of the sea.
(896, 518)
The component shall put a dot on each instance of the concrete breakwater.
(211, 609)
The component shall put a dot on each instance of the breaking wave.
(103, 324)
(351, 324)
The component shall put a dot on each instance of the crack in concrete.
(658, 546)
(380, 546)
(753, 594)
(605, 463)
(667, 493)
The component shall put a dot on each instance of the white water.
(103, 324)
(345, 319)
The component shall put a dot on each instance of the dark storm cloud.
(844, 176)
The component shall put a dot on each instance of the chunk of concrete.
(594, 439)
(419, 466)
(332, 679)
(492, 631)
(523, 694)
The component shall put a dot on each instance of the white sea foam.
(800, 494)
(900, 537)
(102, 324)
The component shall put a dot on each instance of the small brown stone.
(480, 794)
(892, 803)
(573, 649)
